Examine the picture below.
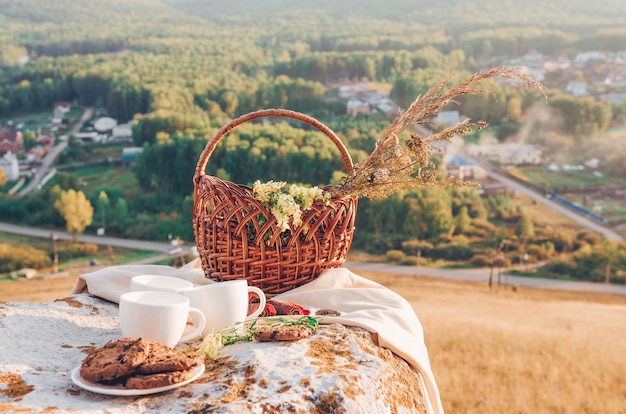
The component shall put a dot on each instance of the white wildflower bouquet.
(287, 204)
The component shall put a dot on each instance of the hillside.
(89, 12)
(455, 16)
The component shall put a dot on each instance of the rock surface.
(338, 369)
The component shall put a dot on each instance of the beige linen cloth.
(362, 303)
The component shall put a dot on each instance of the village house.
(60, 109)
(495, 189)
(130, 154)
(613, 98)
(448, 117)
(361, 100)
(122, 133)
(592, 57)
(105, 124)
(508, 153)
(533, 59)
(91, 136)
(355, 107)
(614, 78)
(10, 166)
(561, 63)
(34, 155)
(45, 141)
(464, 169)
(578, 88)
(11, 140)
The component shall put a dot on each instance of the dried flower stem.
(392, 168)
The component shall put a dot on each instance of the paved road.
(590, 224)
(160, 248)
(164, 250)
(52, 155)
(482, 275)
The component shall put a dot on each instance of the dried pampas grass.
(393, 167)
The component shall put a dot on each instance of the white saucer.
(120, 390)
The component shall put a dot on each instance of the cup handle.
(261, 307)
(199, 322)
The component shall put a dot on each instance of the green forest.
(178, 70)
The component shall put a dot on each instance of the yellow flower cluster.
(288, 206)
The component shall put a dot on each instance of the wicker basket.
(238, 238)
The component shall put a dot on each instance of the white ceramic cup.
(159, 316)
(224, 303)
(160, 283)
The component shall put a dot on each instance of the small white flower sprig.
(287, 206)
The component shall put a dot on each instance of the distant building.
(561, 63)
(92, 136)
(464, 169)
(448, 117)
(130, 154)
(509, 153)
(589, 57)
(122, 133)
(349, 89)
(533, 59)
(355, 107)
(45, 141)
(10, 166)
(361, 100)
(104, 124)
(578, 88)
(387, 108)
(495, 189)
(11, 140)
(613, 98)
(60, 109)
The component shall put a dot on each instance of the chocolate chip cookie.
(161, 379)
(282, 333)
(159, 362)
(116, 359)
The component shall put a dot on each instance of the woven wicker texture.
(238, 238)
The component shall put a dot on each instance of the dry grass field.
(530, 351)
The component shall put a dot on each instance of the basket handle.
(210, 146)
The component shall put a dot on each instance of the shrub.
(481, 260)
(378, 244)
(71, 251)
(454, 252)
(482, 227)
(395, 256)
(411, 247)
(619, 278)
(541, 252)
(15, 257)
(587, 237)
(560, 267)
(409, 261)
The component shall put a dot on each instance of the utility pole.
(55, 260)
(490, 273)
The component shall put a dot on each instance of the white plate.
(120, 390)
